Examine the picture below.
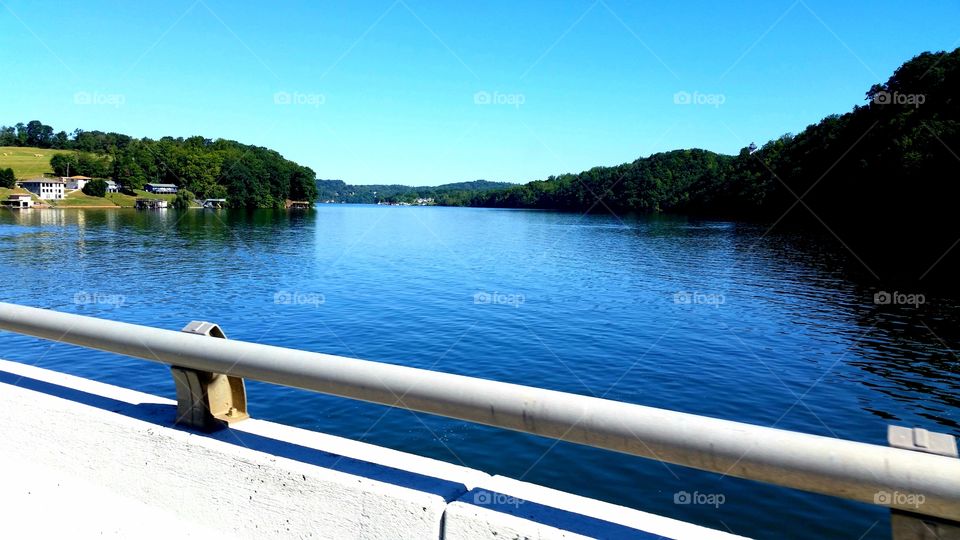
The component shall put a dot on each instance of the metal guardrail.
(913, 481)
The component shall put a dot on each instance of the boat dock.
(214, 203)
(150, 204)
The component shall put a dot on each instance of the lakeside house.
(18, 200)
(75, 182)
(112, 187)
(45, 188)
(160, 188)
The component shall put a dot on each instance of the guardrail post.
(909, 525)
(208, 401)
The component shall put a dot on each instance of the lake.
(715, 318)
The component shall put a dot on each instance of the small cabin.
(160, 188)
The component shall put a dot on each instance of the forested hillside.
(881, 179)
(246, 175)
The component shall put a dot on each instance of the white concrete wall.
(110, 457)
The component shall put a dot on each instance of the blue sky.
(428, 92)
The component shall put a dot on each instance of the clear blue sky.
(387, 90)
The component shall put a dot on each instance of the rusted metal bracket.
(915, 526)
(208, 401)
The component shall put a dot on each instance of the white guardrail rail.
(209, 376)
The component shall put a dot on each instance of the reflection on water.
(713, 318)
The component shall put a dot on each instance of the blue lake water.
(706, 317)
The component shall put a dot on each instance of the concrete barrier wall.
(110, 459)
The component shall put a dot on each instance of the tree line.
(454, 194)
(881, 179)
(39, 135)
(245, 175)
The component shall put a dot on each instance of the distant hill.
(454, 194)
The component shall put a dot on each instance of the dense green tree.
(64, 164)
(8, 136)
(60, 141)
(183, 200)
(7, 178)
(22, 135)
(33, 133)
(95, 188)
(93, 166)
(81, 163)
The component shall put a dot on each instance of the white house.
(112, 187)
(75, 182)
(45, 188)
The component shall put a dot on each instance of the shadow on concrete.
(165, 415)
(554, 517)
